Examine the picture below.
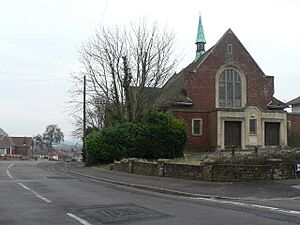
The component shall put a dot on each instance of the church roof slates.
(172, 91)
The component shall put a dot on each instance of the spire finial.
(200, 41)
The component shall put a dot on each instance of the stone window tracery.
(230, 89)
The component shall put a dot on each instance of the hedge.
(156, 135)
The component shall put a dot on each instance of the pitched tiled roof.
(21, 141)
(195, 64)
(173, 92)
(5, 140)
(294, 101)
(277, 104)
(149, 94)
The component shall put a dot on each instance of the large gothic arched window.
(230, 89)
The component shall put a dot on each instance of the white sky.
(39, 38)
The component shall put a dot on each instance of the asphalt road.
(44, 193)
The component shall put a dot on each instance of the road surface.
(42, 193)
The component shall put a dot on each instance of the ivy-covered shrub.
(156, 135)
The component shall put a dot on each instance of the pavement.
(256, 190)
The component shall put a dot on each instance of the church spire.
(200, 41)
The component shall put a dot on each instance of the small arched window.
(230, 90)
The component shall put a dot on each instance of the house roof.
(21, 141)
(5, 140)
(277, 104)
(294, 101)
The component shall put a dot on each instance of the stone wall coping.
(132, 159)
(181, 163)
(163, 160)
(146, 162)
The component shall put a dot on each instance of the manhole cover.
(117, 213)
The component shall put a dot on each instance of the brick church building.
(225, 98)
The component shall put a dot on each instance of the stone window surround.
(254, 120)
(229, 49)
(243, 84)
(243, 117)
(201, 126)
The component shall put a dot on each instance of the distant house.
(294, 122)
(295, 103)
(225, 98)
(21, 145)
(14, 145)
(5, 143)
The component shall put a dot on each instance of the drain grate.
(117, 213)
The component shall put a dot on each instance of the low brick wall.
(209, 172)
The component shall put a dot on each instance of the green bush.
(109, 144)
(156, 135)
(161, 136)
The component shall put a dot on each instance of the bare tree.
(38, 142)
(123, 66)
(52, 135)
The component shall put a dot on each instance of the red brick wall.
(212, 129)
(196, 142)
(294, 129)
(295, 122)
(200, 85)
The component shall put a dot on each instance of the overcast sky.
(39, 41)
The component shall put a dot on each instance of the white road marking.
(297, 187)
(82, 221)
(8, 173)
(41, 197)
(35, 193)
(287, 211)
(24, 186)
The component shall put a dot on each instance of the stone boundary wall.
(145, 168)
(209, 172)
(228, 172)
(183, 170)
